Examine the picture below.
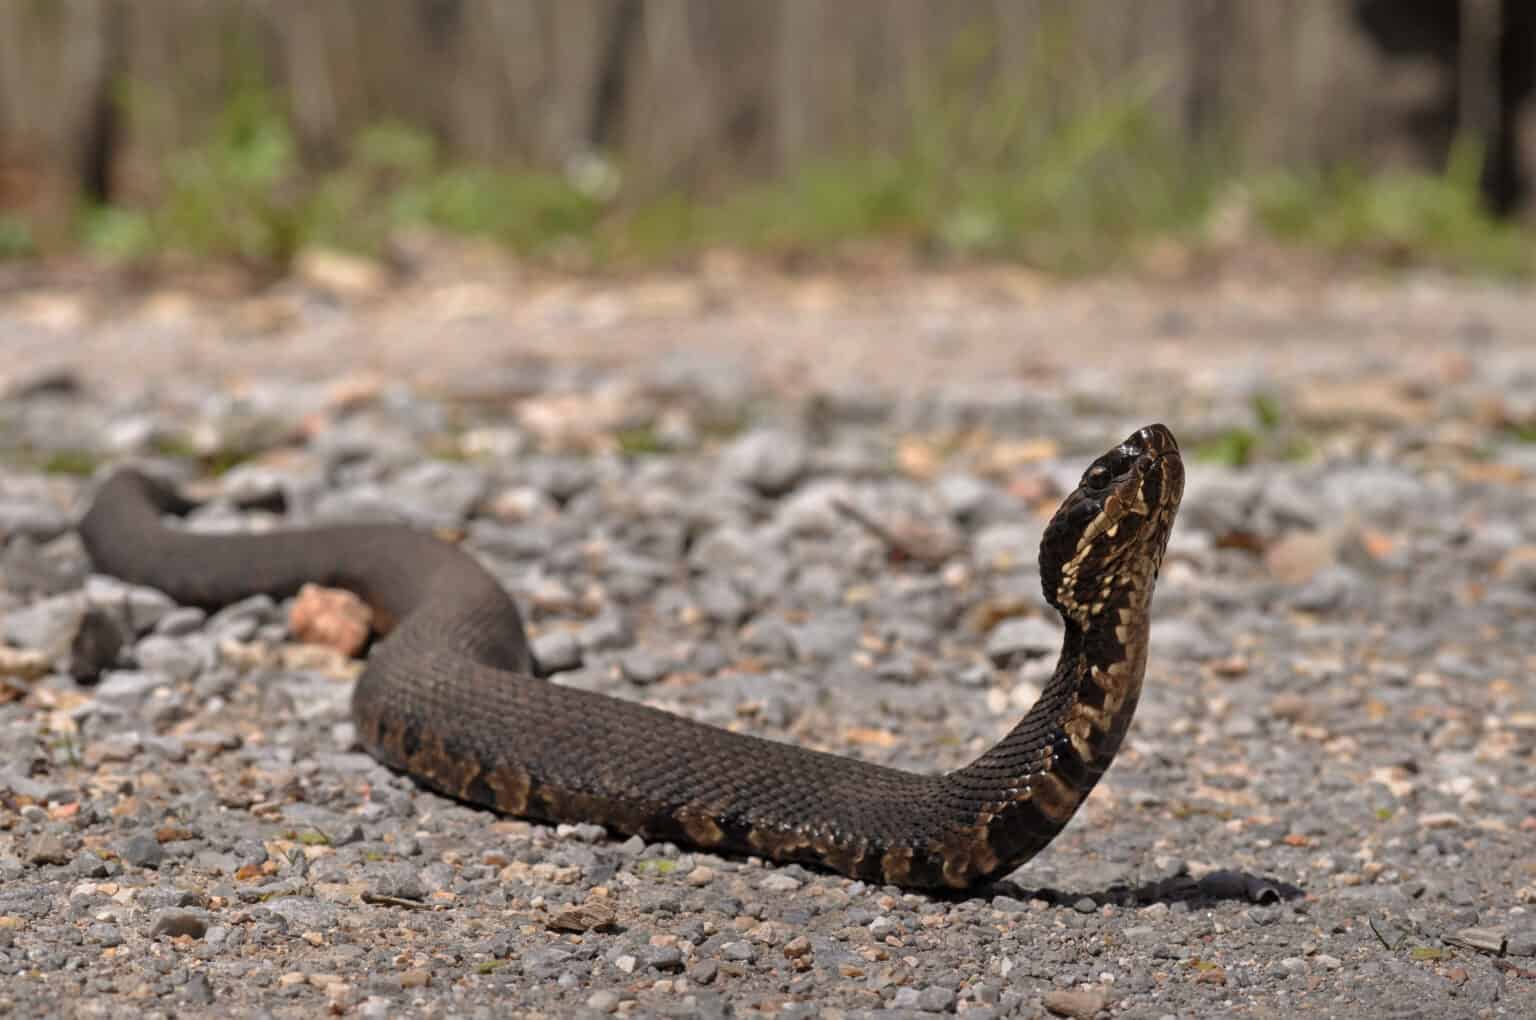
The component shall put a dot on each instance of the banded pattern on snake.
(450, 695)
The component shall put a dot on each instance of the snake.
(451, 694)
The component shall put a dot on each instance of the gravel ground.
(1327, 805)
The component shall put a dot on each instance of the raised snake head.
(1101, 551)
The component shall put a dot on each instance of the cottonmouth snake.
(450, 695)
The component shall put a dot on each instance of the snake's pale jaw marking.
(449, 698)
(1055, 797)
(509, 789)
(701, 829)
(896, 865)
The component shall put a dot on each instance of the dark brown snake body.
(450, 695)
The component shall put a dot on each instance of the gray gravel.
(1325, 807)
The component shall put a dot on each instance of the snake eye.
(1097, 477)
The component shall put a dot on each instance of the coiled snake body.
(450, 696)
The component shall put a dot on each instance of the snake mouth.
(1157, 474)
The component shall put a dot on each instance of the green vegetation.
(1524, 432)
(217, 461)
(230, 196)
(80, 463)
(1052, 168)
(1397, 217)
(637, 442)
(655, 866)
(245, 194)
(66, 749)
(26, 457)
(15, 237)
(1269, 439)
(1233, 448)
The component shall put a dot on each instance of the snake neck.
(1036, 777)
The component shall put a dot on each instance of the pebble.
(240, 620)
(607, 632)
(1440, 820)
(935, 999)
(739, 952)
(1007, 546)
(1297, 558)
(105, 935)
(31, 520)
(180, 622)
(1326, 592)
(330, 617)
(400, 881)
(1069, 1002)
(48, 850)
(603, 1000)
(770, 461)
(665, 958)
(643, 667)
(48, 568)
(1023, 638)
(22, 663)
(586, 832)
(143, 609)
(1184, 640)
(303, 913)
(580, 917)
(178, 660)
(142, 850)
(127, 689)
(557, 651)
(46, 626)
(198, 990)
(780, 883)
(721, 601)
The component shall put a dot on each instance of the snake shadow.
(1220, 886)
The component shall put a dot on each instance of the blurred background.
(1068, 134)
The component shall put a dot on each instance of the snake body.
(450, 695)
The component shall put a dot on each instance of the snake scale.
(450, 694)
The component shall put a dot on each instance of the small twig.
(1381, 935)
(893, 542)
(380, 900)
